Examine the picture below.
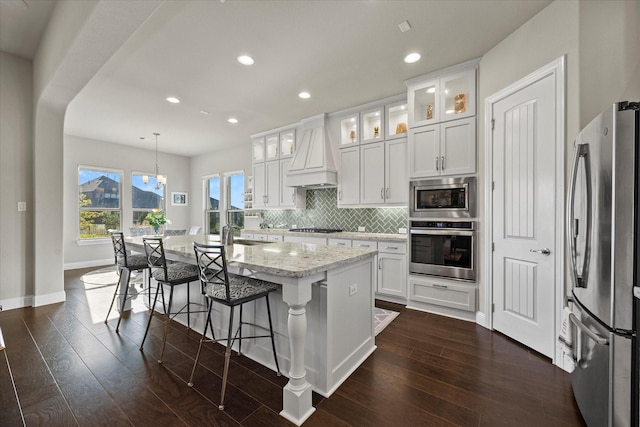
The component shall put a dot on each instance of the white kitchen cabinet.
(272, 147)
(258, 149)
(383, 173)
(290, 197)
(442, 96)
(396, 118)
(349, 177)
(266, 184)
(345, 243)
(442, 292)
(392, 269)
(349, 134)
(365, 244)
(443, 149)
(246, 235)
(287, 143)
(372, 125)
(275, 237)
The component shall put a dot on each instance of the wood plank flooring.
(70, 369)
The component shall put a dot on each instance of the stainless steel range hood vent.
(312, 165)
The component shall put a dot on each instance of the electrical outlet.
(22, 206)
(402, 230)
(353, 289)
(361, 229)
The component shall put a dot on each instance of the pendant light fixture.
(160, 179)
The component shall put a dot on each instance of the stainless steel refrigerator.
(603, 224)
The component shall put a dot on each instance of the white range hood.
(312, 165)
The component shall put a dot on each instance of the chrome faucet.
(227, 234)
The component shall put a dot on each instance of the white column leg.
(297, 393)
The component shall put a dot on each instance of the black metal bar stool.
(126, 263)
(172, 275)
(230, 290)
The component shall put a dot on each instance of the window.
(145, 197)
(212, 204)
(235, 200)
(100, 209)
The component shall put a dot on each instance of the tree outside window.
(98, 202)
(145, 198)
(235, 201)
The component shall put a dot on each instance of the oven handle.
(438, 231)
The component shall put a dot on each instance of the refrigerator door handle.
(597, 338)
(580, 281)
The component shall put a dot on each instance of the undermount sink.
(249, 242)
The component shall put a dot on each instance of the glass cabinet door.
(424, 104)
(272, 143)
(372, 125)
(287, 143)
(396, 116)
(258, 150)
(349, 131)
(458, 96)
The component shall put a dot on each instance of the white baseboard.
(13, 303)
(39, 300)
(481, 319)
(87, 264)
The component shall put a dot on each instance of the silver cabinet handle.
(293, 197)
(340, 195)
(545, 251)
(435, 285)
(380, 264)
(382, 193)
(388, 193)
(442, 162)
(395, 248)
(437, 167)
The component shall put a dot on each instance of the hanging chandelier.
(160, 179)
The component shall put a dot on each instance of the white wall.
(16, 152)
(217, 162)
(87, 152)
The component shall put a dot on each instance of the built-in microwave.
(443, 198)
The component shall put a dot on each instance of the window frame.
(227, 185)
(206, 194)
(80, 209)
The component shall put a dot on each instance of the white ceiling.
(344, 53)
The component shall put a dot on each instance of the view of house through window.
(235, 200)
(99, 204)
(212, 204)
(145, 197)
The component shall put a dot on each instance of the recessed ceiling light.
(412, 57)
(245, 60)
(304, 95)
(173, 100)
(232, 120)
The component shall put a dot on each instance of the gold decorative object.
(352, 135)
(460, 103)
(401, 128)
(429, 112)
(376, 131)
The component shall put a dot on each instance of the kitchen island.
(323, 313)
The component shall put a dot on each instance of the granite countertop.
(340, 235)
(278, 258)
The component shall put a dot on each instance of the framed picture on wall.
(179, 199)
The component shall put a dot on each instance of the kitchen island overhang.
(323, 313)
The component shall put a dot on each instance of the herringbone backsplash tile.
(322, 212)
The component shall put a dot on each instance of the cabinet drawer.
(274, 237)
(366, 244)
(340, 242)
(260, 236)
(392, 247)
(455, 295)
(305, 239)
(246, 235)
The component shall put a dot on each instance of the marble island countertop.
(278, 258)
(353, 235)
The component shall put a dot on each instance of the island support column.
(296, 395)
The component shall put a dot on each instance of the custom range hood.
(312, 165)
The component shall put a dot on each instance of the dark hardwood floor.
(69, 369)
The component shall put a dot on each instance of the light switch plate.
(22, 206)
(361, 229)
(402, 230)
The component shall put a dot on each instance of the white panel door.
(396, 172)
(272, 175)
(458, 147)
(524, 215)
(424, 151)
(349, 177)
(259, 185)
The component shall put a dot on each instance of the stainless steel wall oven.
(443, 198)
(443, 248)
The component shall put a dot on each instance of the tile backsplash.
(322, 212)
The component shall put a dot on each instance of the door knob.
(545, 251)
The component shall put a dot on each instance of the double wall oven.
(442, 228)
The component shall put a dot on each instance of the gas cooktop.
(316, 230)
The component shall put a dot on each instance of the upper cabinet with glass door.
(258, 150)
(396, 117)
(349, 131)
(372, 125)
(272, 144)
(287, 143)
(449, 94)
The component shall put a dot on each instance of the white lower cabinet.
(392, 269)
(447, 293)
(306, 239)
(275, 237)
(345, 243)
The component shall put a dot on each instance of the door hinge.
(493, 124)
